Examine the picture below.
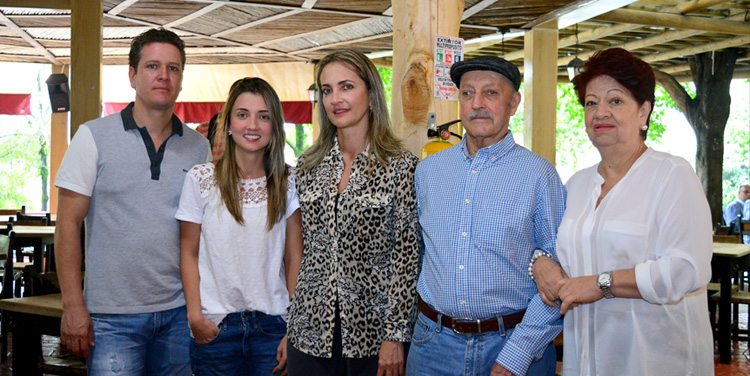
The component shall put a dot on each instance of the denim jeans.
(140, 344)
(246, 345)
(437, 350)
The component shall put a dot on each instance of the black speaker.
(59, 94)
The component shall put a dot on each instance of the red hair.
(628, 70)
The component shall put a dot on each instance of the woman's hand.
(281, 357)
(203, 329)
(580, 290)
(391, 359)
(547, 274)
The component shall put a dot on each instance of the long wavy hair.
(383, 143)
(277, 172)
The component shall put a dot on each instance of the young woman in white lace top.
(241, 240)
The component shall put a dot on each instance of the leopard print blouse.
(365, 254)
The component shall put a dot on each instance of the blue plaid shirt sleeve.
(542, 323)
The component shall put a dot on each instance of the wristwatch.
(605, 284)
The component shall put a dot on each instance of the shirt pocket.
(497, 232)
(372, 216)
(624, 244)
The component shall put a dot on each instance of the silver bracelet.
(537, 254)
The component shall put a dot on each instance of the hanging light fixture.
(313, 92)
(574, 66)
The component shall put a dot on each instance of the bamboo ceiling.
(663, 32)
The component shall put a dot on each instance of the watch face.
(604, 279)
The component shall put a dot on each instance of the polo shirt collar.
(128, 121)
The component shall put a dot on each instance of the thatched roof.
(663, 32)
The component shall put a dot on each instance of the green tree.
(24, 154)
(386, 74)
(299, 138)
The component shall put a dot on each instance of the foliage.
(24, 153)
(387, 75)
(736, 169)
(299, 138)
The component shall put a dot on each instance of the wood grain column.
(58, 145)
(86, 62)
(540, 89)
(415, 25)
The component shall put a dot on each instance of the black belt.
(470, 326)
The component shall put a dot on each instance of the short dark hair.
(159, 35)
(628, 70)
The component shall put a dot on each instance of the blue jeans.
(437, 350)
(140, 344)
(246, 345)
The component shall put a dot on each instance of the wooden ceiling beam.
(476, 8)
(40, 4)
(300, 35)
(258, 22)
(121, 7)
(194, 15)
(29, 39)
(223, 40)
(331, 45)
(290, 7)
(676, 21)
(707, 47)
(696, 5)
(309, 4)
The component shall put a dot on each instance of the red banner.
(15, 104)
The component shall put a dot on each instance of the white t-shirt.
(241, 267)
(656, 220)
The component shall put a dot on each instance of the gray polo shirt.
(132, 236)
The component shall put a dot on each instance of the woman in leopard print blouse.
(354, 305)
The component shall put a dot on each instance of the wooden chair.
(13, 211)
(31, 220)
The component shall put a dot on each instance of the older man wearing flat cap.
(487, 207)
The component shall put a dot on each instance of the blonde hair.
(277, 172)
(383, 143)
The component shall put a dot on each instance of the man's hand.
(547, 273)
(498, 370)
(580, 290)
(281, 357)
(391, 359)
(203, 329)
(77, 330)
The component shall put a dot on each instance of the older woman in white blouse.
(635, 242)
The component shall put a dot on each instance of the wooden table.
(728, 260)
(39, 237)
(4, 219)
(29, 318)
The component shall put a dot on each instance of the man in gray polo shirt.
(124, 174)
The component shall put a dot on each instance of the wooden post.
(415, 25)
(86, 62)
(58, 145)
(540, 89)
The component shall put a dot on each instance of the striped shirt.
(482, 218)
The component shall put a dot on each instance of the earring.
(229, 132)
(644, 127)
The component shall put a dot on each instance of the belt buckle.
(465, 320)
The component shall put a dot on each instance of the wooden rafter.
(223, 40)
(331, 45)
(121, 7)
(28, 38)
(194, 15)
(676, 21)
(478, 7)
(305, 34)
(258, 22)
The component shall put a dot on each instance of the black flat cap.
(486, 63)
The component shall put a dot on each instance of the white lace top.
(241, 266)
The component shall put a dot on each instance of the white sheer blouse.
(656, 220)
